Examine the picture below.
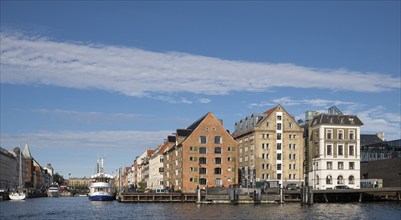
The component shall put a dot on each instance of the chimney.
(221, 121)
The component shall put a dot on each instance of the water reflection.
(82, 208)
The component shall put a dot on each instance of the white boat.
(53, 191)
(18, 194)
(101, 189)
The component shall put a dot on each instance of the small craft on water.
(101, 189)
(54, 190)
(19, 193)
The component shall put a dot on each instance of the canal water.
(82, 208)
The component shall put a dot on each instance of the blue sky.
(114, 78)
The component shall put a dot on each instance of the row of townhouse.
(270, 149)
(34, 176)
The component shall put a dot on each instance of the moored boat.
(19, 193)
(53, 191)
(101, 189)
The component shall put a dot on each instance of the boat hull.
(53, 194)
(101, 198)
(17, 196)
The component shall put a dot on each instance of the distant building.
(9, 168)
(376, 148)
(156, 169)
(270, 149)
(334, 151)
(204, 155)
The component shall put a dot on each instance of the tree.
(58, 179)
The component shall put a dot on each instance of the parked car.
(341, 187)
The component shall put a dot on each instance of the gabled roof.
(336, 120)
(194, 125)
(268, 112)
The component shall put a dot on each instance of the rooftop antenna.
(333, 110)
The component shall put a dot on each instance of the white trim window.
(340, 150)
(329, 134)
(340, 134)
(329, 150)
(351, 149)
(351, 135)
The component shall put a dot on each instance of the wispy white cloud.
(377, 120)
(133, 141)
(91, 116)
(136, 72)
(204, 100)
(288, 101)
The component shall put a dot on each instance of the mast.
(20, 170)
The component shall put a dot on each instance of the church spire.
(27, 152)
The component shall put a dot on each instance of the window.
(217, 140)
(279, 126)
(202, 160)
(202, 139)
(340, 180)
(351, 150)
(278, 146)
(278, 117)
(263, 156)
(340, 134)
(279, 166)
(279, 176)
(352, 135)
(202, 170)
(351, 180)
(202, 150)
(202, 181)
(263, 166)
(218, 182)
(278, 136)
(293, 156)
(217, 170)
(231, 148)
(290, 124)
(267, 124)
(329, 165)
(193, 158)
(278, 156)
(317, 179)
(193, 169)
(329, 149)
(231, 159)
(329, 134)
(352, 165)
(217, 160)
(329, 180)
(290, 156)
(217, 150)
(289, 176)
(340, 150)
(340, 165)
(290, 146)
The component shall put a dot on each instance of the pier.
(157, 197)
(304, 196)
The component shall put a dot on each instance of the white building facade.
(334, 151)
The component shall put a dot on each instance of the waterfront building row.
(269, 149)
(34, 176)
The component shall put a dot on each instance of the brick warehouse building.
(204, 154)
(271, 149)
